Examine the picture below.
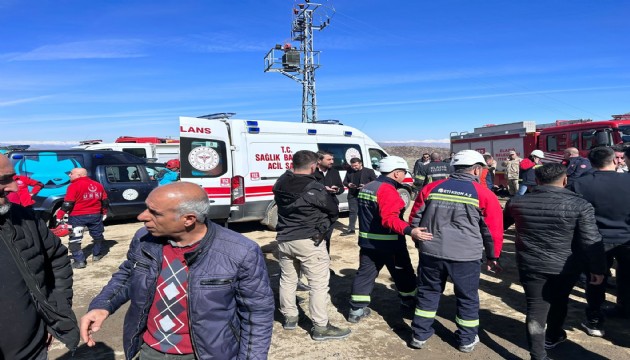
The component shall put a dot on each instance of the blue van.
(125, 177)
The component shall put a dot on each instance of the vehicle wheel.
(406, 196)
(272, 218)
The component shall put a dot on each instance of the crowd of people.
(197, 290)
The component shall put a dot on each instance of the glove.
(59, 216)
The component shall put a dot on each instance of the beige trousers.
(512, 185)
(314, 263)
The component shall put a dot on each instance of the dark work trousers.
(371, 262)
(547, 296)
(94, 224)
(432, 275)
(353, 208)
(596, 294)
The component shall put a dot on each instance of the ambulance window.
(141, 153)
(202, 157)
(342, 154)
(375, 156)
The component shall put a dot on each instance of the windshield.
(624, 132)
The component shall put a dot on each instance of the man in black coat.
(556, 235)
(36, 278)
(355, 178)
(328, 176)
(609, 193)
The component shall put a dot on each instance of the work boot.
(469, 347)
(347, 233)
(355, 315)
(303, 287)
(79, 264)
(418, 344)
(290, 322)
(98, 257)
(329, 332)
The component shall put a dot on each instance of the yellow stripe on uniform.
(360, 298)
(413, 293)
(372, 236)
(366, 196)
(466, 323)
(425, 314)
(454, 198)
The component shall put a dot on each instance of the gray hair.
(196, 206)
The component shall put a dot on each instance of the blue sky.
(398, 70)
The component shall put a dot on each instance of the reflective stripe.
(419, 177)
(466, 323)
(454, 198)
(372, 236)
(413, 293)
(360, 298)
(366, 196)
(425, 314)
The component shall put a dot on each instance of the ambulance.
(237, 162)
(551, 138)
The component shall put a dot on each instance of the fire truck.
(553, 138)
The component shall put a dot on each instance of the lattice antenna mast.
(303, 60)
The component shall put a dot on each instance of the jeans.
(596, 294)
(547, 296)
(522, 189)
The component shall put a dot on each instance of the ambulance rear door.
(206, 159)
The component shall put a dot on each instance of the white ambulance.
(237, 162)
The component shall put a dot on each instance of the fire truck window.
(203, 157)
(593, 138)
(342, 154)
(552, 143)
(575, 140)
(625, 133)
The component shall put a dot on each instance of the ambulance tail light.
(238, 190)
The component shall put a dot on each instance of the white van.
(237, 162)
(161, 153)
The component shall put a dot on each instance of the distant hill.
(413, 153)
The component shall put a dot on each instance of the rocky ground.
(384, 335)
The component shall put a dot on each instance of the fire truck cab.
(525, 137)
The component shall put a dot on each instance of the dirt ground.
(385, 334)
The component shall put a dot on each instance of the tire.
(406, 196)
(272, 218)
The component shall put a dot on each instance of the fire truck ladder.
(303, 60)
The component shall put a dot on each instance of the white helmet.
(391, 163)
(537, 153)
(468, 158)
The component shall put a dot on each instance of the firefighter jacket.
(23, 195)
(380, 216)
(511, 168)
(464, 217)
(527, 174)
(433, 171)
(555, 232)
(576, 167)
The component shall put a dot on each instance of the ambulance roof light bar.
(215, 116)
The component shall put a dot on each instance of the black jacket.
(609, 193)
(305, 209)
(361, 177)
(332, 178)
(555, 232)
(576, 167)
(46, 260)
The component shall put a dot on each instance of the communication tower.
(299, 62)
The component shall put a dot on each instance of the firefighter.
(382, 239)
(465, 218)
(527, 176)
(576, 165)
(433, 171)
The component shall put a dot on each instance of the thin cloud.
(41, 142)
(95, 49)
(22, 101)
(220, 43)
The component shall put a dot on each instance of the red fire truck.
(524, 137)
